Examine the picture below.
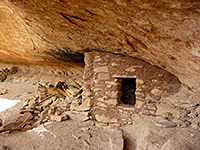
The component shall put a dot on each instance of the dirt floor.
(66, 135)
(142, 134)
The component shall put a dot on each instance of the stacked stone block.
(103, 75)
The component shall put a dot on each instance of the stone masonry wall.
(102, 82)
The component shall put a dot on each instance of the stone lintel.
(124, 76)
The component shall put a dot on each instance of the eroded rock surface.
(163, 33)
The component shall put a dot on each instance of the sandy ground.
(68, 135)
(143, 134)
(18, 91)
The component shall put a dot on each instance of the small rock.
(64, 105)
(185, 124)
(139, 104)
(44, 114)
(46, 103)
(74, 90)
(4, 148)
(196, 123)
(76, 136)
(32, 104)
(198, 110)
(156, 92)
(139, 81)
(80, 108)
(59, 118)
(48, 123)
(25, 104)
(79, 116)
(3, 91)
(165, 124)
(195, 126)
(14, 70)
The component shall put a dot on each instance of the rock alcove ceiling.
(163, 33)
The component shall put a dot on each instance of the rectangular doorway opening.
(128, 88)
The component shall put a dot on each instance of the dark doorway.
(128, 91)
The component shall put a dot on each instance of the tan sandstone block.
(105, 119)
(87, 102)
(112, 101)
(80, 108)
(139, 81)
(101, 104)
(130, 69)
(152, 107)
(79, 116)
(156, 92)
(100, 99)
(101, 69)
(138, 93)
(139, 104)
(59, 118)
(109, 86)
(97, 58)
(113, 94)
(112, 83)
(124, 76)
(114, 64)
(103, 76)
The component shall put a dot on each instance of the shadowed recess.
(66, 54)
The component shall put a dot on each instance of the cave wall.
(163, 33)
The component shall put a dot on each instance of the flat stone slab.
(165, 124)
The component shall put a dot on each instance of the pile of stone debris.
(4, 73)
(52, 103)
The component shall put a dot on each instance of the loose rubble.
(52, 103)
(4, 148)
(4, 73)
(64, 101)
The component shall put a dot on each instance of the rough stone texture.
(15, 121)
(152, 83)
(4, 148)
(117, 140)
(78, 116)
(58, 118)
(164, 33)
(3, 91)
(172, 144)
(103, 118)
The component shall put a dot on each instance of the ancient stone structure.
(118, 86)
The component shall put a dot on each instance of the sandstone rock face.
(163, 33)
